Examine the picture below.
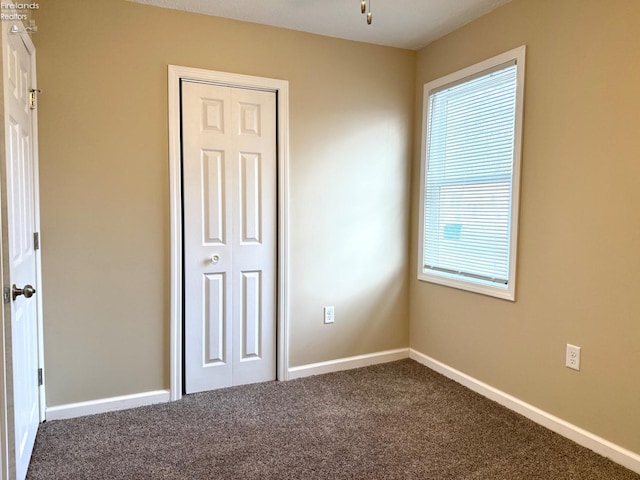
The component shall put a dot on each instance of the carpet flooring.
(398, 420)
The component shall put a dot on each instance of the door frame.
(281, 88)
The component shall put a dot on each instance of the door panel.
(214, 319)
(251, 316)
(213, 174)
(229, 189)
(250, 197)
(250, 119)
(255, 220)
(22, 376)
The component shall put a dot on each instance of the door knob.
(215, 258)
(27, 291)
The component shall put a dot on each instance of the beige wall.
(579, 261)
(102, 68)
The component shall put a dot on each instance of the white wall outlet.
(329, 315)
(573, 357)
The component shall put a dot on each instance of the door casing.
(281, 88)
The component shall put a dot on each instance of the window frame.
(517, 56)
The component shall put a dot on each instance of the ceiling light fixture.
(363, 9)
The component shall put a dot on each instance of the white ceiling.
(408, 24)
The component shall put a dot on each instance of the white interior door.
(22, 326)
(229, 189)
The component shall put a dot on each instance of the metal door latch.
(32, 97)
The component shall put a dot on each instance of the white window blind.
(469, 177)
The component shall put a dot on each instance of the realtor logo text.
(19, 6)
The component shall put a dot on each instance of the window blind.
(469, 176)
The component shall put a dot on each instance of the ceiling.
(410, 24)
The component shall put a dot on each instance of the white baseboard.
(80, 409)
(616, 453)
(347, 363)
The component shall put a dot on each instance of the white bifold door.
(229, 222)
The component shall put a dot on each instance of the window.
(470, 176)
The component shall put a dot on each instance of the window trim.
(517, 56)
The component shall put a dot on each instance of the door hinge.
(6, 295)
(39, 377)
(36, 241)
(33, 92)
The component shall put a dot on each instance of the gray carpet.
(394, 421)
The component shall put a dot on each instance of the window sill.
(504, 293)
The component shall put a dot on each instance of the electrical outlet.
(573, 357)
(329, 315)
